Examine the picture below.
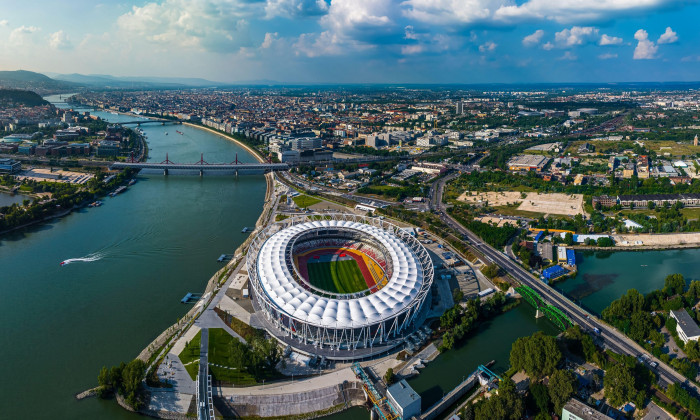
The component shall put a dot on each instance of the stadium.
(338, 285)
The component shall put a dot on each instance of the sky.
(358, 41)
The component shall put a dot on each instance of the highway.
(612, 338)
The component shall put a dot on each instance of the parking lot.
(56, 175)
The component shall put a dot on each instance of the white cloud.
(488, 46)
(534, 38)
(645, 49)
(346, 16)
(59, 41)
(22, 35)
(426, 42)
(607, 56)
(412, 49)
(4, 22)
(668, 37)
(548, 46)
(450, 11)
(569, 11)
(463, 12)
(577, 35)
(609, 40)
(568, 55)
(270, 38)
(295, 8)
(211, 25)
(409, 33)
(351, 25)
(690, 58)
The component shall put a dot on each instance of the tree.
(640, 326)
(468, 412)
(561, 388)
(693, 293)
(605, 242)
(389, 376)
(506, 405)
(569, 238)
(692, 349)
(490, 271)
(622, 308)
(674, 284)
(540, 397)
(619, 385)
(537, 354)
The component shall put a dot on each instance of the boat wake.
(88, 258)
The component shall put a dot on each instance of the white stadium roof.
(302, 304)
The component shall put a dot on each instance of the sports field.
(342, 276)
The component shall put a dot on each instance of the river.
(147, 247)
(143, 251)
(491, 341)
(605, 276)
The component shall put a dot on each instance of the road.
(203, 383)
(613, 339)
(295, 180)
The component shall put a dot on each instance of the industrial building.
(554, 272)
(404, 399)
(561, 253)
(9, 166)
(576, 410)
(687, 329)
(528, 163)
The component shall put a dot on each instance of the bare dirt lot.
(496, 221)
(494, 198)
(657, 240)
(554, 203)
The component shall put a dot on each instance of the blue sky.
(358, 41)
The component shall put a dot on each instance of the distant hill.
(113, 82)
(10, 98)
(29, 80)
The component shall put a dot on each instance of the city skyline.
(342, 41)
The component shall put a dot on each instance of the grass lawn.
(220, 350)
(304, 201)
(191, 353)
(337, 276)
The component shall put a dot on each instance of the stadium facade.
(306, 317)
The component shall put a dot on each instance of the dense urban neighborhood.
(491, 198)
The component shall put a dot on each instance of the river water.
(144, 249)
(141, 252)
(492, 341)
(605, 276)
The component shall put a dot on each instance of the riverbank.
(256, 154)
(648, 242)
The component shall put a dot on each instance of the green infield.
(337, 276)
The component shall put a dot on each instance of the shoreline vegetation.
(18, 217)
